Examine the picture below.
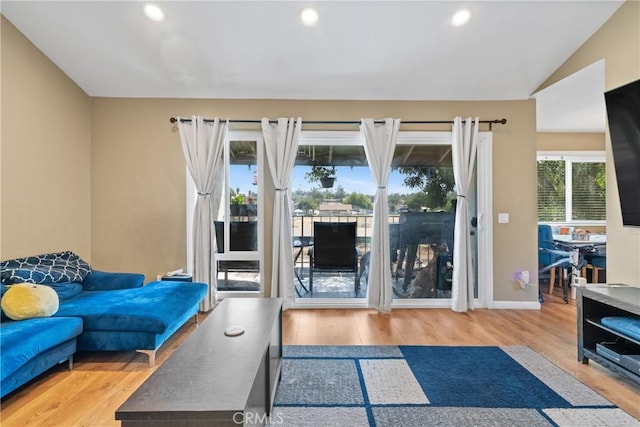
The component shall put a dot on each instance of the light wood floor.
(99, 383)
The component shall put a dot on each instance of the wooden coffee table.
(213, 379)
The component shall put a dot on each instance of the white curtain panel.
(379, 144)
(281, 143)
(202, 145)
(463, 151)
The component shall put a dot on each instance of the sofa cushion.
(151, 308)
(22, 340)
(66, 290)
(28, 300)
(46, 268)
(108, 281)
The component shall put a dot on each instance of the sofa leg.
(70, 363)
(197, 319)
(151, 354)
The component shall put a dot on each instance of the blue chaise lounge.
(138, 319)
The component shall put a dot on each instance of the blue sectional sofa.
(103, 312)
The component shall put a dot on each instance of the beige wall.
(46, 138)
(618, 42)
(138, 175)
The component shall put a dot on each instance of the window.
(572, 187)
(238, 219)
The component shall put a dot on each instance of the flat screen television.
(623, 115)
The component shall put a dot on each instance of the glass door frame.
(225, 210)
(485, 214)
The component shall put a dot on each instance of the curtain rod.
(348, 122)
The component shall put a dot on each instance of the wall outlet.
(523, 278)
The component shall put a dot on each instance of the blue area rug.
(433, 386)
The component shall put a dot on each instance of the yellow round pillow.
(26, 300)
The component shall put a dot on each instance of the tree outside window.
(571, 188)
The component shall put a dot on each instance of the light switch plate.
(503, 218)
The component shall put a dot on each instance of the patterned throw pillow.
(47, 268)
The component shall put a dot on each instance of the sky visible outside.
(356, 179)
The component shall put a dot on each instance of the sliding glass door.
(238, 228)
(238, 222)
(421, 217)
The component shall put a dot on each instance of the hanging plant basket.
(327, 182)
(325, 175)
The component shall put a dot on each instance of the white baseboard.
(402, 303)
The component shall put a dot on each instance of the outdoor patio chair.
(243, 237)
(334, 250)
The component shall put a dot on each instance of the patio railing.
(303, 226)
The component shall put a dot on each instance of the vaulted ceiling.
(362, 50)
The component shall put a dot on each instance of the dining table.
(577, 249)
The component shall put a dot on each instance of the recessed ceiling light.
(461, 17)
(309, 16)
(153, 12)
